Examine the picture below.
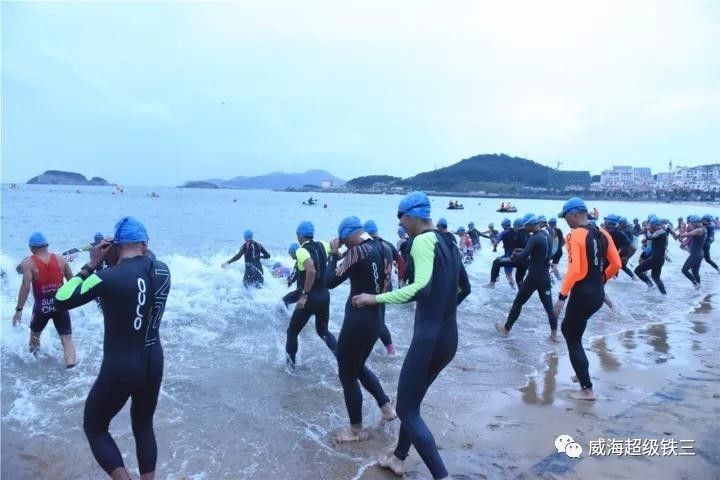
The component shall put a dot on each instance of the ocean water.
(228, 409)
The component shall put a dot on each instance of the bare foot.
(553, 336)
(394, 464)
(489, 285)
(353, 433)
(501, 328)
(388, 412)
(584, 394)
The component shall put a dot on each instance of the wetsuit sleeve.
(264, 253)
(237, 256)
(527, 251)
(78, 292)
(464, 285)
(577, 261)
(423, 255)
(613, 258)
(335, 274)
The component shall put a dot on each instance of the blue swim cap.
(491, 225)
(460, 230)
(442, 222)
(707, 218)
(541, 219)
(612, 219)
(37, 239)
(506, 221)
(306, 229)
(574, 203)
(651, 216)
(415, 204)
(518, 222)
(401, 231)
(694, 219)
(527, 217)
(99, 237)
(247, 234)
(655, 221)
(349, 226)
(635, 219)
(277, 265)
(293, 248)
(622, 221)
(552, 220)
(531, 221)
(370, 227)
(129, 230)
(471, 225)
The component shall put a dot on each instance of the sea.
(228, 408)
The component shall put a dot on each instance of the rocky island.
(57, 177)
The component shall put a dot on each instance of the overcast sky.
(156, 94)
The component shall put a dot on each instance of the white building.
(705, 178)
(627, 178)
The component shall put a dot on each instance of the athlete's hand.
(364, 300)
(17, 318)
(335, 245)
(98, 252)
(557, 308)
(301, 302)
(224, 264)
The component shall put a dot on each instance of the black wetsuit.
(508, 240)
(133, 295)
(536, 256)
(521, 240)
(474, 236)
(317, 304)
(365, 266)
(555, 259)
(390, 253)
(625, 247)
(438, 283)
(691, 267)
(253, 252)
(655, 261)
(709, 239)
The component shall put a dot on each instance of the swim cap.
(370, 227)
(471, 225)
(415, 204)
(506, 221)
(541, 219)
(491, 225)
(707, 218)
(574, 203)
(694, 219)
(518, 222)
(655, 221)
(442, 222)
(349, 226)
(622, 221)
(306, 229)
(401, 231)
(247, 234)
(37, 239)
(531, 221)
(635, 219)
(612, 219)
(527, 217)
(277, 265)
(293, 248)
(552, 220)
(99, 237)
(460, 230)
(129, 230)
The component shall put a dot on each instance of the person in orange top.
(44, 272)
(592, 260)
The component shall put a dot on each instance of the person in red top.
(44, 271)
(592, 260)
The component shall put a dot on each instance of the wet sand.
(655, 382)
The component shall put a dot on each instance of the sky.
(160, 93)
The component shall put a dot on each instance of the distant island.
(199, 185)
(57, 177)
(273, 181)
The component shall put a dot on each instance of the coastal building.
(705, 178)
(627, 178)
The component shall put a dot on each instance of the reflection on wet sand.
(608, 361)
(705, 305)
(629, 340)
(529, 392)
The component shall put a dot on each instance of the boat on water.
(507, 207)
(310, 201)
(455, 206)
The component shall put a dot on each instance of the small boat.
(456, 207)
(507, 210)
